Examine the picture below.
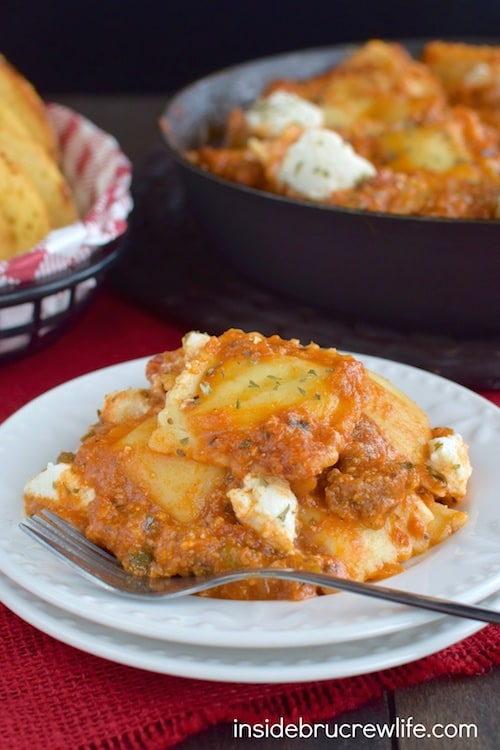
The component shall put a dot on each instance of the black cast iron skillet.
(429, 275)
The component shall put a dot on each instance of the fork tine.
(85, 558)
(68, 530)
(97, 565)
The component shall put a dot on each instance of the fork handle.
(422, 601)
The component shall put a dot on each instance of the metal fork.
(102, 568)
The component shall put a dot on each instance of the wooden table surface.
(473, 701)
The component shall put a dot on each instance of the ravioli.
(251, 451)
(262, 404)
(421, 136)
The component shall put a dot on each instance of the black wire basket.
(34, 314)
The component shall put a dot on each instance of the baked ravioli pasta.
(379, 131)
(251, 451)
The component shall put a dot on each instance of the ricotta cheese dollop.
(56, 479)
(320, 162)
(44, 484)
(448, 456)
(272, 114)
(268, 505)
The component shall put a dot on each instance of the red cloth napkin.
(53, 696)
(57, 698)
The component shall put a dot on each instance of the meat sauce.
(350, 449)
(148, 540)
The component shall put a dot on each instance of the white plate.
(326, 662)
(466, 567)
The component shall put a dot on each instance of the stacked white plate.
(323, 638)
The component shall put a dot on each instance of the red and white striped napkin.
(99, 175)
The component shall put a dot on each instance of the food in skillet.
(35, 197)
(252, 451)
(381, 131)
(470, 75)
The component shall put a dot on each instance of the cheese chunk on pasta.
(268, 505)
(449, 458)
(270, 115)
(320, 162)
